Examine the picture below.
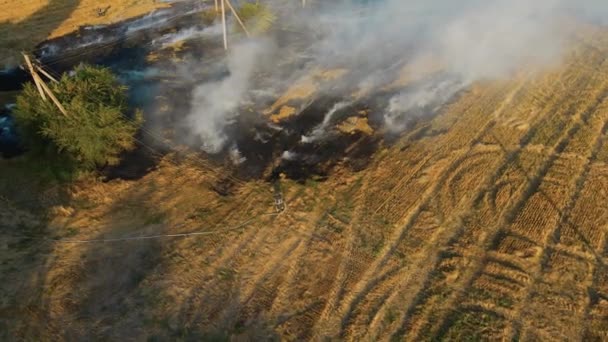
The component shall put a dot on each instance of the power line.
(159, 236)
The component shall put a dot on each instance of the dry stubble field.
(491, 224)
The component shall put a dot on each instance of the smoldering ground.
(218, 99)
(470, 40)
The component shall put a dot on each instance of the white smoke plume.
(289, 155)
(215, 104)
(429, 97)
(471, 39)
(235, 155)
(320, 131)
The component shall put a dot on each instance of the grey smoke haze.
(471, 39)
(432, 93)
(215, 104)
(318, 132)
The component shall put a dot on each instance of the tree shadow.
(119, 290)
(55, 291)
(24, 35)
(25, 253)
(64, 291)
(109, 285)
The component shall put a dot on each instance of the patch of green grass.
(33, 171)
(343, 212)
(239, 327)
(505, 302)
(332, 225)
(215, 337)
(483, 295)
(83, 203)
(201, 214)
(300, 219)
(226, 274)
(155, 218)
(258, 18)
(71, 231)
(479, 294)
(312, 183)
(378, 248)
(472, 326)
(390, 316)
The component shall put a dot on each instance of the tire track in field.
(211, 288)
(262, 292)
(515, 329)
(284, 303)
(361, 212)
(487, 187)
(533, 183)
(275, 262)
(396, 282)
(591, 196)
(443, 147)
(370, 279)
(419, 297)
(599, 270)
(420, 267)
(450, 254)
(224, 255)
(324, 326)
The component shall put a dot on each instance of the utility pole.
(236, 15)
(42, 71)
(37, 81)
(224, 26)
(42, 87)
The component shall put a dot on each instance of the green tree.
(97, 129)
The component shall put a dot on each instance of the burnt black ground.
(160, 83)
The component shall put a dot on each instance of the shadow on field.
(110, 285)
(22, 36)
(123, 290)
(26, 195)
(66, 291)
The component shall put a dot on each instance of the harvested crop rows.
(468, 237)
(490, 224)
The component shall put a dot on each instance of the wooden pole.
(34, 76)
(237, 17)
(216, 6)
(40, 84)
(303, 3)
(224, 26)
(52, 96)
(46, 74)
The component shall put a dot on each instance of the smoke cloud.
(470, 40)
(319, 131)
(215, 104)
